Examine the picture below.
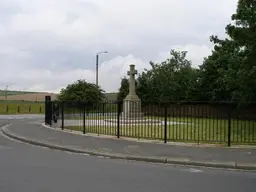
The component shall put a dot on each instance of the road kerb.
(147, 159)
(5, 125)
(246, 166)
(225, 165)
(177, 161)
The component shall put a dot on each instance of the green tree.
(124, 89)
(243, 32)
(171, 80)
(81, 91)
(229, 73)
(214, 80)
(144, 87)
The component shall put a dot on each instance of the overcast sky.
(47, 44)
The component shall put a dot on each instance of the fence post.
(118, 118)
(62, 115)
(103, 108)
(7, 108)
(84, 120)
(29, 108)
(229, 125)
(48, 110)
(165, 123)
(18, 108)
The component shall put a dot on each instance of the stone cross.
(132, 74)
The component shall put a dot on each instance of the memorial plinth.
(132, 105)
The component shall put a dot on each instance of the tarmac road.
(26, 168)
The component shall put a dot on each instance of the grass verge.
(197, 130)
(21, 108)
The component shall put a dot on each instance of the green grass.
(91, 117)
(197, 130)
(24, 108)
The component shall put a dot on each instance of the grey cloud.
(55, 41)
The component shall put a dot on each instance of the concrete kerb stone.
(246, 166)
(225, 165)
(5, 125)
(147, 159)
(163, 160)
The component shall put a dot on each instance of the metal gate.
(52, 111)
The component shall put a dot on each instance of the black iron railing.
(197, 122)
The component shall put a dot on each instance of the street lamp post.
(6, 89)
(97, 66)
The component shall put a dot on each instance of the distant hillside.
(36, 96)
(28, 97)
(3, 92)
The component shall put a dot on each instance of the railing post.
(165, 123)
(103, 108)
(229, 125)
(48, 110)
(118, 118)
(84, 120)
(62, 115)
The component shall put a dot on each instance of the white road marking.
(191, 170)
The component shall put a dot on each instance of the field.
(196, 130)
(21, 108)
(36, 96)
(3, 92)
(40, 97)
(19, 102)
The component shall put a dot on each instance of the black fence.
(196, 122)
